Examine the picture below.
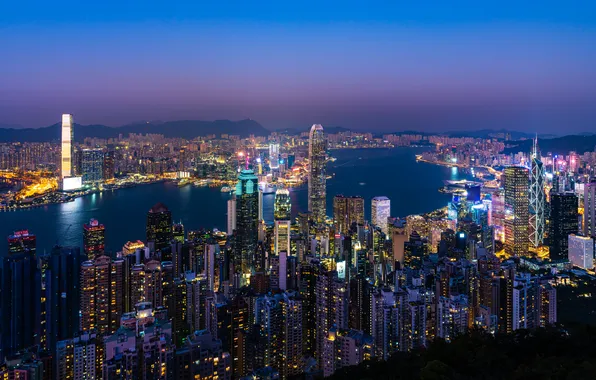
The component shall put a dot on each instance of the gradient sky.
(383, 66)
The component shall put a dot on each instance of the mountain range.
(187, 129)
(557, 145)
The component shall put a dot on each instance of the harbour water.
(411, 186)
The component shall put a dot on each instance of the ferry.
(183, 182)
(226, 189)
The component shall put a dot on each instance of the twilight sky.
(377, 65)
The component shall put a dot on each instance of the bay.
(411, 186)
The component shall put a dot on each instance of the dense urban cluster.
(302, 296)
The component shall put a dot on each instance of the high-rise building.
(274, 156)
(517, 199)
(563, 222)
(94, 239)
(67, 146)
(231, 215)
(380, 212)
(537, 198)
(92, 166)
(282, 208)
(590, 209)
(347, 210)
(282, 223)
(109, 165)
(581, 251)
(63, 294)
(317, 177)
(247, 221)
(102, 294)
(76, 357)
(159, 227)
(20, 296)
(344, 348)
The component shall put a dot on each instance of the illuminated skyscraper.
(590, 209)
(517, 201)
(159, 226)
(317, 178)
(274, 156)
(67, 146)
(282, 211)
(92, 166)
(94, 239)
(381, 210)
(231, 215)
(247, 220)
(563, 222)
(347, 210)
(581, 251)
(537, 199)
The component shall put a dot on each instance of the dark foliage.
(542, 354)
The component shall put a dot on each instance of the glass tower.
(537, 198)
(67, 147)
(247, 220)
(317, 178)
(517, 203)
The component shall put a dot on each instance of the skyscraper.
(282, 223)
(20, 296)
(380, 211)
(317, 178)
(67, 147)
(108, 165)
(581, 251)
(537, 198)
(274, 156)
(347, 210)
(590, 208)
(515, 183)
(159, 226)
(92, 166)
(247, 220)
(94, 239)
(563, 222)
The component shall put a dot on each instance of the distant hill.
(187, 129)
(328, 130)
(559, 145)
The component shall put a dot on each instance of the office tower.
(76, 357)
(109, 165)
(247, 222)
(159, 227)
(94, 239)
(399, 237)
(344, 348)
(515, 183)
(547, 298)
(537, 198)
(581, 251)
(92, 166)
(231, 215)
(282, 207)
(178, 232)
(563, 222)
(590, 209)
(20, 296)
(317, 176)
(202, 357)
(274, 156)
(498, 214)
(380, 212)
(63, 293)
(347, 210)
(67, 148)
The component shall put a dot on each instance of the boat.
(226, 189)
(183, 182)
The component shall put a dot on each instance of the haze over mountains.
(187, 129)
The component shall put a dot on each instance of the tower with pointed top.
(317, 176)
(537, 198)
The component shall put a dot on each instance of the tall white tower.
(381, 210)
(67, 147)
(317, 177)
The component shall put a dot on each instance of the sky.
(372, 65)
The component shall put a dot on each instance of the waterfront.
(411, 186)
